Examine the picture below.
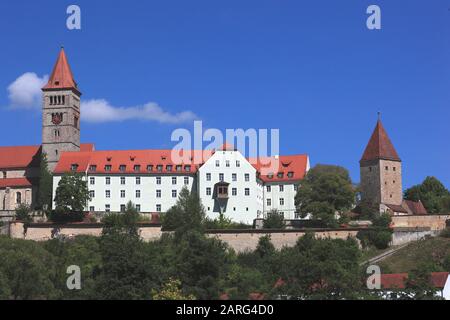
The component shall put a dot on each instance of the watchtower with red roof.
(381, 170)
(61, 112)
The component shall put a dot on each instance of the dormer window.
(179, 168)
(92, 168)
(132, 158)
(280, 175)
(108, 167)
(74, 167)
(159, 167)
(290, 174)
(187, 168)
(270, 176)
(163, 158)
(108, 159)
(122, 168)
(150, 168)
(169, 167)
(137, 168)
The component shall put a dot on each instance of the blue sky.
(310, 68)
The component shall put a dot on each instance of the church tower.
(381, 170)
(60, 112)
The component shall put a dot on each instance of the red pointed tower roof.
(61, 77)
(380, 146)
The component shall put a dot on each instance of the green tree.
(125, 272)
(379, 235)
(172, 291)
(274, 220)
(433, 194)
(45, 184)
(187, 214)
(23, 212)
(71, 197)
(325, 191)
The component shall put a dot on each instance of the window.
(74, 167)
(370, 169)
(122, 180)
(18, 197)
(122, 168)
(179, 168)
(158, 193)
(138, 208)
(387, 168)
(281, 188)
(393, 181)
(137, 168)
(174, 180)
(234, 177)
(186, 180)
(92, 194)
(108, 168)
(138, 180)
(174, 193)
(107, 180)
(281, 214)
(227, 163)
(187, 168)
(269, 202)
(208, 177)
(247, 191)
(158, 208)
(91, 209)
(92, 180)
(122, 208)
(234, 191)
(107, 207)
(270, 176)
(159, 168)
(4, 174)
(92, 168)
(247, 177)
(393, 168)
(290, 174)
(221, 177)
(295, 187)
(138, 193)
(150, 168)
(269, 189)
(208, 191)
(280, 175)
(238, 163)
(122, 193)
(107, 193)
(169, 167)
(158, 180)
(281, 201)
(217, 163)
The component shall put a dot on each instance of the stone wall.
(434, 222)
(239, 240)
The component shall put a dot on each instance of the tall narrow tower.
(381, 170)
(60, 112)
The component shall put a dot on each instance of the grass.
(430, 252)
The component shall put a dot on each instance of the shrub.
(274, 220)
(23, 213)
(60, 215)
(445, 233)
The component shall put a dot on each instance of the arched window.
(18, 197)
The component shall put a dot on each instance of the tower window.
(370, 169)
(19, 197)
(387, 168)
(393, 168)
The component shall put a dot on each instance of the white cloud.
(99, 110)
(25, 91)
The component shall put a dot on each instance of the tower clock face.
(56, 118)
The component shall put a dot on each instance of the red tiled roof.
(87, 147)
(397, 208)
(226, 147)
(380, 146)
(416, 207)
(293, 167)
(61, 77)
(398, 280)
(19, 157)
(15, 182)
(287, 168)
(393, 281)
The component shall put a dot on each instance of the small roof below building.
(15, 183)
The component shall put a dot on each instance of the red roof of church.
(61, 77)
(380, 146)
(416, 207)
(15, 182)
(16, 157)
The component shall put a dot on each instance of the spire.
(380, 146)
(61, 77)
